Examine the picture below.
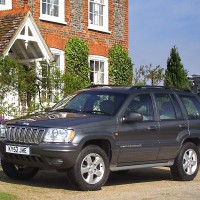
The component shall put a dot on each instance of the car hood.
(57, 119)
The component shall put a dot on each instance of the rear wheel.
(91, 169)
(186, 164)
(18, 172)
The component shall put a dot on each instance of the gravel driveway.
(145, 184)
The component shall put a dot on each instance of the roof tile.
(10, 21)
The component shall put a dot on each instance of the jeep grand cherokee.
(105, 129)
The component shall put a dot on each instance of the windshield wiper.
(68, 110)
(96, 112)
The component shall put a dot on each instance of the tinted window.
(179, 114)
(192, 106)
(142, 104)
(165, 107)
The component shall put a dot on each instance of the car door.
(173, 126)
(192, 106)
(138, 141)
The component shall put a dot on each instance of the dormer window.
(53, 10)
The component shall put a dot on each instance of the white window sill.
(5, 7)
(100, 29)
(52, 20)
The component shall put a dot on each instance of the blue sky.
(155, 26)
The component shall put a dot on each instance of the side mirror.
(133, 117)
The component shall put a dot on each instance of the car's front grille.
(27, 135)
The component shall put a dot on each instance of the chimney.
(26, 6)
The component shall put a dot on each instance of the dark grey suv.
(103, 129)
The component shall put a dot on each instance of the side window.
(142, 104)
(165, 107)
(179, 114)
(192, 106)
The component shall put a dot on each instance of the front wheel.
(186, 164)
(91, 169)
(18, 172)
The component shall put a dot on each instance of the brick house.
(33, 30)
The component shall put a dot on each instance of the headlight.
(59, 135)
(2, 131)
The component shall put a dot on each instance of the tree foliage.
(148, 75)
(120, 66)
(175, 74)
(8, 76)
(77, 67)
(27, 82)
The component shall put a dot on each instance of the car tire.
(186, 164)
(91, 169)
(18, 172)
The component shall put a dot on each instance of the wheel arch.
(194, 140)
(102, 143)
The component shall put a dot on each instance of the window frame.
(6, 6)
(61, 53)
(105, 61)
(61, 14)
(105, 27)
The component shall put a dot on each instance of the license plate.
(18, 150)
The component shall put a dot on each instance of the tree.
(77, 67)
(120, 66)
(23, 80)
(147, 73)
(8, 76)
(175, 74)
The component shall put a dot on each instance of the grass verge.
(6, 196)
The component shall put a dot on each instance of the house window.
(50, 7)
(98, 15)
(5, 5)
(59, 59)
(2, 2)
(98, 70)
(52, 10)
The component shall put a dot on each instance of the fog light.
(56, 161)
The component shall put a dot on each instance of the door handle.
(152, 127)
(182, 125)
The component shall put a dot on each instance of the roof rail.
(150, 87)
(159, 87)
(103, 85)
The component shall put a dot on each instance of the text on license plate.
(17, 149)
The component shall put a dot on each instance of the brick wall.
(76, 16)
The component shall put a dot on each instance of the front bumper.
(45, 156)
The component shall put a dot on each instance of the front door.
(138, 141)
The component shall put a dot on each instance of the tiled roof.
(10, 21)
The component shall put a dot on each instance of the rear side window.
(165, 107)
(192, 106)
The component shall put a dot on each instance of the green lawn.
(6, 196)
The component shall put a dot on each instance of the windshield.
(95, 102)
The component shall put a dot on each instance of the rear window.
(192, 106)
